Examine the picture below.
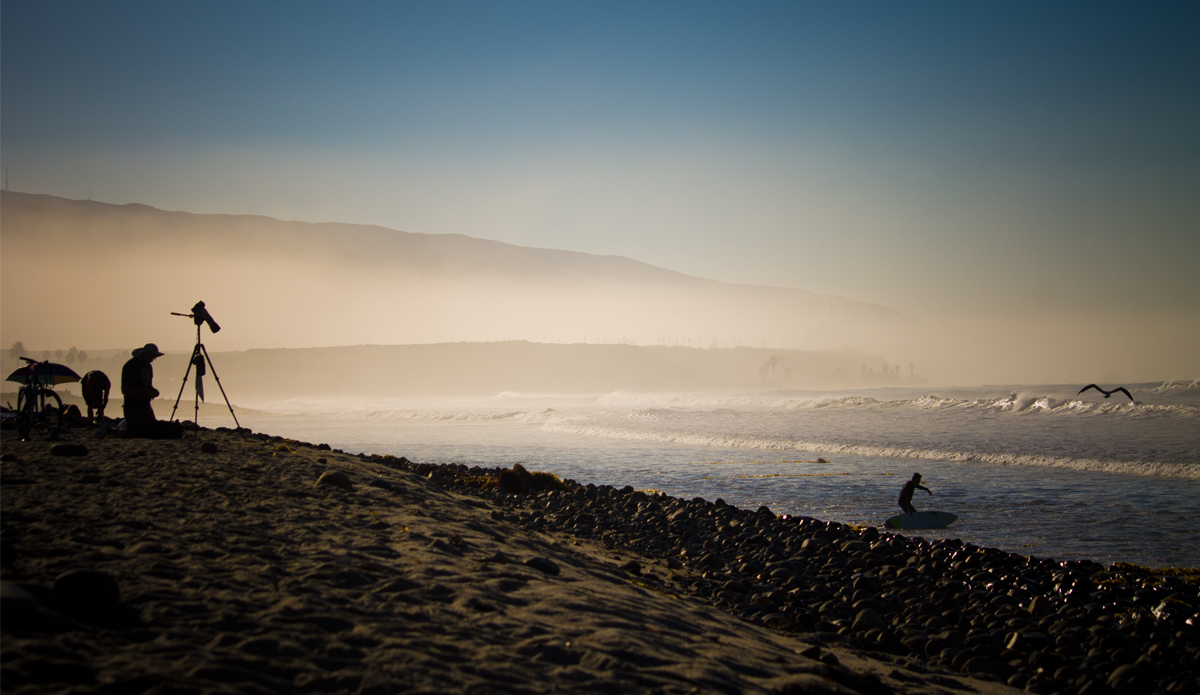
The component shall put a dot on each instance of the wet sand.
(245, 563)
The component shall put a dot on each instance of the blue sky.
(946, 159)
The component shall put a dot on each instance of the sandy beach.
(244, 563)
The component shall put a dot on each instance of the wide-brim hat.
(148, 349)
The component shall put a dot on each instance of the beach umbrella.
(47, 374)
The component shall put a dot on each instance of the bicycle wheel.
(49, 399)
(22, 398)
(52, 400)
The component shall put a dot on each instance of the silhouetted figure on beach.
(95, 386)
(1119, 389)
(907, 491)
(137, 386)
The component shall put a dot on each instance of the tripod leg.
(185, 378)
(218, 380)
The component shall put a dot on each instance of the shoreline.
(252, 565)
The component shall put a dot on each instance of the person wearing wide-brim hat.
(907, 491)
(137, 388)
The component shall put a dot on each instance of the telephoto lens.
(201, 314)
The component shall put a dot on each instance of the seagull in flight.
(1119, 389)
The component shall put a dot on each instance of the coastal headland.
(238, 562)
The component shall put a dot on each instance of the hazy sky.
(941, 158)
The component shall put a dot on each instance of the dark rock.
(1128, 679)
(69, 450)
(988, 665)
(813, 652)
(1125, 655)
(1094, 687)
(543, 565)
(1041, 605)
(868, 619)
(510, 482)
(1028, 641)
(208, 447)
(335, 479)
(632, 567)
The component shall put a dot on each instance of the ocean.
(1036, 470)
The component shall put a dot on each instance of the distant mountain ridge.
(370, 284)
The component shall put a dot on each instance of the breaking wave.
(1013, 403)
(1180, 470)
(1047, 426)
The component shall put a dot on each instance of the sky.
(985, 166)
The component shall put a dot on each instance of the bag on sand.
(156, 429)
(168, 430)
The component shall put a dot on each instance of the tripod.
(198, 359)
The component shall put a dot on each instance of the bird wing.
(1121, 389)
(1090, 386)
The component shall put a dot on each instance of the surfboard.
(921, 520)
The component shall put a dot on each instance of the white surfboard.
(921, 520)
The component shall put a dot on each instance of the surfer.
(907, 491)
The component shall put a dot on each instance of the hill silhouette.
(109, 275)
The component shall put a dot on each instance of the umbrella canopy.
(46, 374)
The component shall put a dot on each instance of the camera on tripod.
(201, 315)
(198, 360)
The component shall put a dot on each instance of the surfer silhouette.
(907, 491)
(1119, 389)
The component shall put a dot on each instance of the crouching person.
(137, 386)
(95, 386)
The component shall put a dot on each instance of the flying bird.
(1119, 389)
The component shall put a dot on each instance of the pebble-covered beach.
(235, 562)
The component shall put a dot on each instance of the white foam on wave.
(1032, 426)
(1179, 470)
(1173, 386)
(1015, 403)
